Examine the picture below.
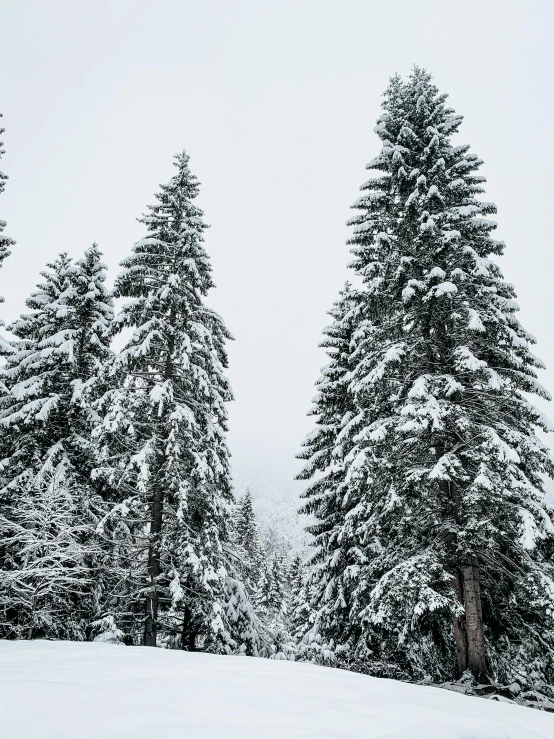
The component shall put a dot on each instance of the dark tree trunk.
(476, 658)
(188, 637)
(154, 569)
(31, 629)
(452, 518)
(156, 521)
(458, 624)
(468, 629)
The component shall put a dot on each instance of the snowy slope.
(64, 690)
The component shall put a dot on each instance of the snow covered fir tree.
(164, 437)
(46, 423)
(433, 540)
(5, 241)
(248, 541)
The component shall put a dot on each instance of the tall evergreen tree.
(169, 411)
(46, 410)
(5, 243)
(442, 506)
(34, 377)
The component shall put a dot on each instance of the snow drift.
(69, 690)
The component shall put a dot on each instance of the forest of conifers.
(431, 538)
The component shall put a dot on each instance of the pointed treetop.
(183, 181)
(3, 177)
(171, 259)
(5, 243)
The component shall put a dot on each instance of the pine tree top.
(5, 243)
(65, 338)
(173, 253)
(176, 337)
(44, 302)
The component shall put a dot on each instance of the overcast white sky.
(275, 100)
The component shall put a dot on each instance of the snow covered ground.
(68, 690)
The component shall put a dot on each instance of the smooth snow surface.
(68, 690)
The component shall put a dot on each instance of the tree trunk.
(31, 630)
(476, 659)
(468, 629)
(152, 598)
(452, 517)
(188, 640)
(154, 568)
(458, 624)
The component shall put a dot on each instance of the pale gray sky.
(276, 101)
